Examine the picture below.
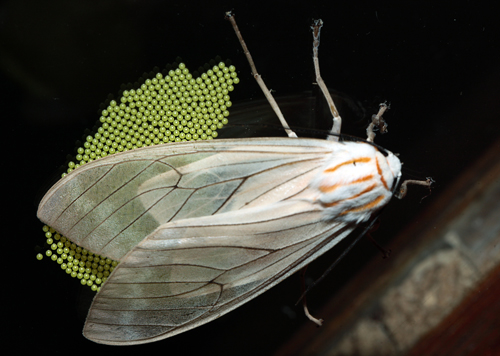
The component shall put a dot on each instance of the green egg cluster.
(91, 269)
(172, 106)
(167, 108)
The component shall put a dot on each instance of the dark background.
(438, 65)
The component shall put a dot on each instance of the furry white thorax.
(355, 182)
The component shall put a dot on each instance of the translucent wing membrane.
(110, 205)
(189, 272)
(200, 228)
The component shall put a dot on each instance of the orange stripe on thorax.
(371, 187)
(380, 173)
(330, 188)
(367, 206)
(354, 161)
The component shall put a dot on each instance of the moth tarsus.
(258, 77)
(318, 322)
(385, 252)
(303, 292)
(403, 189)
(377, 122)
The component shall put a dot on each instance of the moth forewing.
(108, 206)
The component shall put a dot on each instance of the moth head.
(394, 164)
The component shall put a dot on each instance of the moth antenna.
(404, 186)
(377, 122)
(258, 78)
(337, 120)
(316, 321)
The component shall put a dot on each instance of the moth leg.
(377, 121)
(337, 120)
(258, 78)
(318, 322)
(404, 186)
(385, 252)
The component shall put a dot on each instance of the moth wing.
(108, 206)
(192, 271)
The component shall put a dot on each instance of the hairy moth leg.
(377, 121)
(258, 77)
(303, 288)
(404, 186)
(337, 120)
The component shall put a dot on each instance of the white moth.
(202, 227)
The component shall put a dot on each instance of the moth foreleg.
(404, 186)
(337, 120)
(377, 122)
(258, 78)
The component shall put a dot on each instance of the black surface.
(438, 65)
